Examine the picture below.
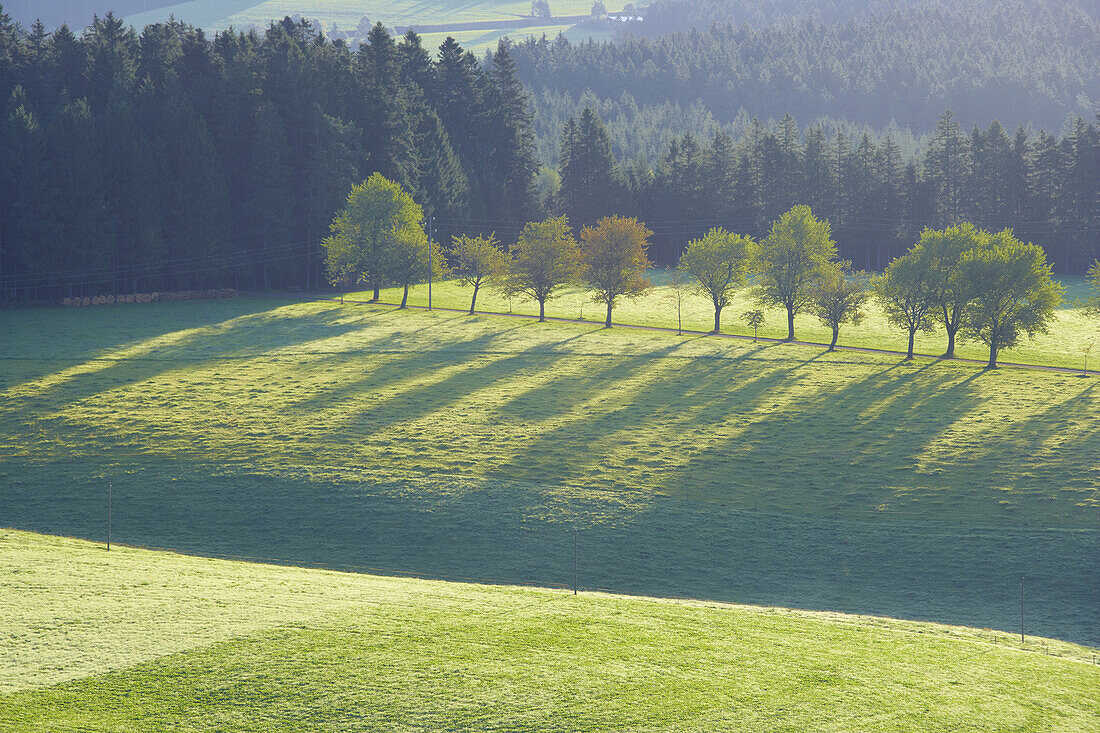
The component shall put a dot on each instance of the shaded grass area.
(472, 447)
(1072, 331)
(463, 530)
(277, 648)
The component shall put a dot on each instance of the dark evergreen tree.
(265, 215)
(513, 140)
(947, 166)
(590, 185)
(387, 132)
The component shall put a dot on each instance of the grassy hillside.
(473, 447)
(138, 640)
(216, 15)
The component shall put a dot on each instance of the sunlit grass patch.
(210, 644)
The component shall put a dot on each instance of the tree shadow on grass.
(253, 335)
(1056, 452)
(827, 445)
(661, 397)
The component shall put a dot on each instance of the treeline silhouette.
(166, 160)
(1044, 187)
(1030, 62)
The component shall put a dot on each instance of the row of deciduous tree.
(164, 159)
(1045, 187)
(988, 286)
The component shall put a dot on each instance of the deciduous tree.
(839, 297)
(906, 292)
(363, 230)
(718, 262)
(407, 261)
(1013, 291)
(477, 261)
(941, 251)
(544, 260)
(754, 319)
(614, 261)
(791, 259)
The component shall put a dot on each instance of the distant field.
(215, 15)
(139, 640)
(473, 447)
(1063, 346)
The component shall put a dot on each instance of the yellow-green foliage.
(139, 640)
(1071, 329)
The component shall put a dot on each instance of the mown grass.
(139, 640)
(473, 447)
(1072, 331)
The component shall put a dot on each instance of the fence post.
(574, 561)
(1021, 610)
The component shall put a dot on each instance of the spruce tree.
(512, 138)
(590, 186)
(266, 217)
(388, 136)
(947, 166)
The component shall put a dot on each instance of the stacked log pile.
(154, 297)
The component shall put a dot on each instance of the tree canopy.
(791, 259)
(1013, 292)
(717, 262)
(613, 260)
(544, 260)
(365, 233)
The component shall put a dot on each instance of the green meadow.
(368, 438)
(153, 641)
(217, 15)
(1072, 333)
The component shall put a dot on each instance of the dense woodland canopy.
(166, 159)
(1046, 187)
(1029, 63)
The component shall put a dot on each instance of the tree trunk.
(790, 323)
(912, 338)
(836, 335)
(717, 318)
(404, 297)
(950, 353)
(992, 355)
(607, 323)
(542, 311)
(473, 300)
(377, 293)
